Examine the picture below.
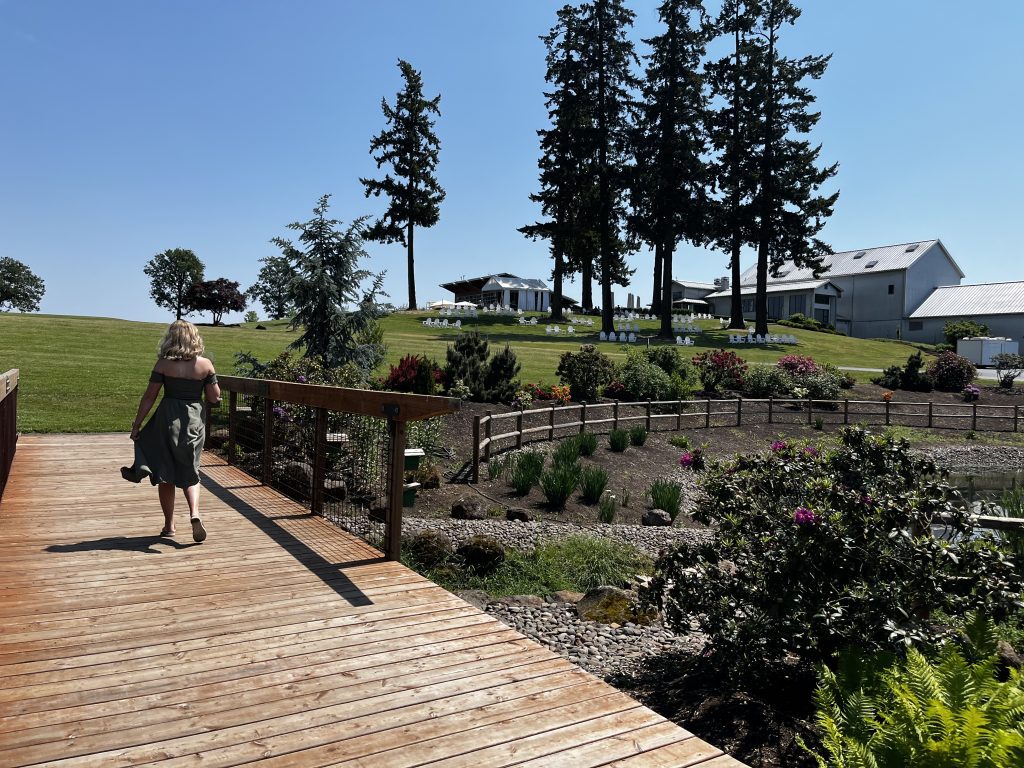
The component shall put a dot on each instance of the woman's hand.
(135, 432)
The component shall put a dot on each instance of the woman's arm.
(145, 406)
(212, 393)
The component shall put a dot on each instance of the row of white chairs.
(458, 312)
(771, 338)
(431, 322)
(681, 342)
(495, 309)
(623, 337)
(685, 328)
(554, 330)
(581, 321)
(524, 321)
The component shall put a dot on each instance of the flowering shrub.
(767, 381)
(557, 392)
(797, 365)
(887, 396)
(585, 372)
(811, 551)
(693, 459)
(951, 372)
(522, 400)
(616, 390)
(971, 393)
(414, 373)
(720, 368)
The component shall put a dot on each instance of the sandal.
(198, 531)
(165, 533)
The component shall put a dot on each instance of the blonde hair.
(181, 342)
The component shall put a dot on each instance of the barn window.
(892, 289)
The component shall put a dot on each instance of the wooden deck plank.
(281, 639)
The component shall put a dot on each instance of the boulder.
(527, 601)
(294, 480)
(517, 514)
(656, 517)
(567, 596)
(482, 554)
(611, 605)
(430, 548)
(468, 509)
(475, 597)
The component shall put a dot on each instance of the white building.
(1000, 306)
(506, 290)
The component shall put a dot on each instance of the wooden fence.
(504, 431)
(8, 423)
(340, 451)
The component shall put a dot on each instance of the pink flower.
(686, 460)
(804, 516)
(810, 450)
(778, 445)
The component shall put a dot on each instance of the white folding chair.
(603, 336)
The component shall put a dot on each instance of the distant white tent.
(453, 304)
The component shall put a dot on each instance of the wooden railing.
(317, 443)
(8, 423)
(505, 431)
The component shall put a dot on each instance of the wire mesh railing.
(340, 452)
(8, 423)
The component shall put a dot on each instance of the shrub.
(593, 481)
(460, 389)
(821, 556)
(846, 379)
(495, 468)
(559, 482)
(821, 385)
(971, 393)
(693, 459)
(950, 372)
(607, 508)
(414, 373)
(616, 391)
(720, 368)
(955, 330)
(522, 400)
(680, 441)
(800, 320)
(567, 452)
(797, 365)
(428, 548)
(1008, 368)
(501, 379)
(889, 378)
(668, 359)
(666, 495)
(912, 377)
(912, 712)
(588, 443)
(490, 379)
(585, 372)
(525, 470)
(618, 440)
(642, 379)
(766, 381)
(482, 554)
(638, 435)
(594, 562)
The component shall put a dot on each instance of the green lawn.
(86, 374)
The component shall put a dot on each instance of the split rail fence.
(338, 451)
(8, 423)
(497, 432)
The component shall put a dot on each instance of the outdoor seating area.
(752, 338)
(458, 311)
(622, 337)
(527, 321)
(681, 342)
(432, 322)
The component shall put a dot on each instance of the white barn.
(1000, 306)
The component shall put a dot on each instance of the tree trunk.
(412, 272)
(587, 283)
(604, 191)
(766, 225)
(556, 294)
(736, 309)
(666, 291)
(656, 294)
(736, 314)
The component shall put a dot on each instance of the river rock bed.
(958, 458)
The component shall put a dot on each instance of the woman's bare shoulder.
(204, 365)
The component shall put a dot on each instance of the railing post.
(810, 408)
(771, 403)
(887, 407)
(583, 418)
(232, 426)
(648, 421)
(1016, 417)
(931, 408)
(615, 415)
(846, 411)
(519, 430)
(551, 423)
(476, 449)
(974, 416)
(739, 411)
(679, 415)
(316, 504)
(268, 441)
(393, 520)
(487, 437)
(707, 415)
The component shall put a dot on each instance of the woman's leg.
(192, 497)
(166, 491)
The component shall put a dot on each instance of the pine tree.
(790, 212)
(669, 187)
(410, 147)
(733, 134)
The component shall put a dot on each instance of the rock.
(517, 514)
(482, 554)
(1008, 657)
(567, 596)
(656, 517)
(611, 605)
(294, 480)
(475, 597)
(468, 509)
(430, 548)
(526, 601)
(261, 327)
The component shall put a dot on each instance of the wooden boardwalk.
(281, 639)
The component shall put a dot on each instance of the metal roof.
(694, 284)
(515, 283)
(979, 299)
(884, 259)
(782, 287)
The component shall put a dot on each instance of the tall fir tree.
(610, 58)
(566, 197)
(669, 183)
(790, 210)
(409, 146)
(733, 128)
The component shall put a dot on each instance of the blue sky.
(131, 127)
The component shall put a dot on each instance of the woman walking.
(169, 447)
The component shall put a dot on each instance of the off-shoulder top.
(179, 388)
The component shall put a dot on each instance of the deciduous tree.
(171, 274)
(216, 297)
(409, 146)
(271, 286)
(20, 288)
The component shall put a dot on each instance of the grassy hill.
(86, 374)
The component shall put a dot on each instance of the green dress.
(170, 445)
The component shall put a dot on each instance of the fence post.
(648, 422)
(1016, 417)
(316, 505)
(268, 441)
(930, 411)
(707, 415)
(974, 416)
(232, 426)
(487, 436)
(771, 403)
(679, 415)
(887, 406)
(810, 409)
(846, 411)
(476, 449)
(615, 415)
(551, 423)
(519, 430)
(393, 520)
(583, 418)
(739, 411)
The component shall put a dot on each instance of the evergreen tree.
(336, 314)
(567, 195)
(410, 147)
(733, 133)
(790, 211)
(669, 189)
(171, 274)
(271, 286)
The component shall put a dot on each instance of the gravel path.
(957, 458)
